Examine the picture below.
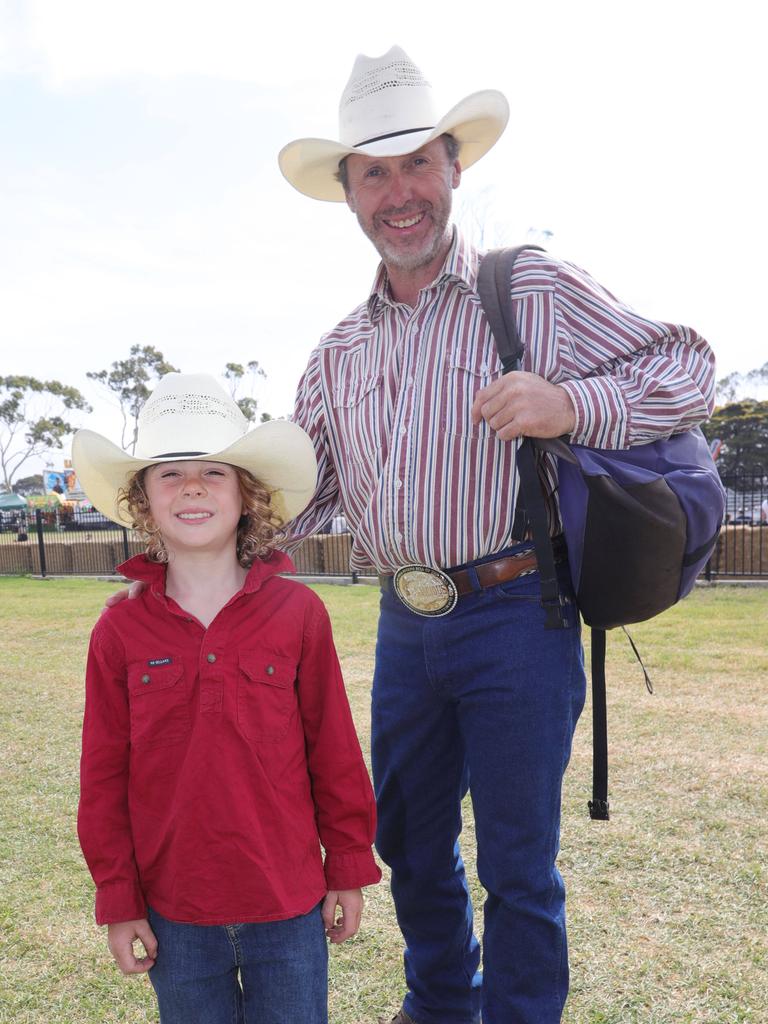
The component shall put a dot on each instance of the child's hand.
(351, 903)
(121, 938)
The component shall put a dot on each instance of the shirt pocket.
(159, 704)
(358, 410)
(464, 376)
(266, 699)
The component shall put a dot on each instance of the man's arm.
(308, 413)
(627, 379)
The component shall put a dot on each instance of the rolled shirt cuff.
(120, 901)
(351, 870)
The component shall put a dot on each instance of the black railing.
(742, 549)
(61, 543)
(45, 543)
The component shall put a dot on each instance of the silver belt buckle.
(425, 590)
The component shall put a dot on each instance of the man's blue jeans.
(483, 698)
(282, 966)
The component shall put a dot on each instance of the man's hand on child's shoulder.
(121, 937)
(120, 595)
(350, 902)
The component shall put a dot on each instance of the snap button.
(270, 670)
(211, 658)
(145, 679)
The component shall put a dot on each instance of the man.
(414, 429)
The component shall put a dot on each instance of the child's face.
(195, 505)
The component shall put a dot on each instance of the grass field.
(668, 906)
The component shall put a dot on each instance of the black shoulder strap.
(493, 287)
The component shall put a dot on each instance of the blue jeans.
(484, 698)
(282, 966)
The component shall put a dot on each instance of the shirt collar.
(153, 573)
(461, 265)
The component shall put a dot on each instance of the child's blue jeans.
(273, 972)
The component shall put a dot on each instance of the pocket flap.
(144, 678)
(263, 667)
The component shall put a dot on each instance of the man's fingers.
(120, 595)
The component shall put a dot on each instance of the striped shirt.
(387, 399)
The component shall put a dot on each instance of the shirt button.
(398, 484)
(211, 658)
(145, 679)
(270, 670)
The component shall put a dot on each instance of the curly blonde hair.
(259, 531)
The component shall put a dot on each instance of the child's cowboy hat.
(388, 109)
(190, 416)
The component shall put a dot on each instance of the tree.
(30, 485)
(32, 419)
(743, 429)
(234, 375)
(130, 380)
(737, 385)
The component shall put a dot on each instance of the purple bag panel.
(639, 523)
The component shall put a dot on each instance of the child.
(218, 745)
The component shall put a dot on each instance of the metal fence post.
(40, 541)
(126, 552)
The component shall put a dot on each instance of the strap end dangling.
(598, 810)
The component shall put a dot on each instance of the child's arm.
(344, 803)
(103, 821)
(121, 938)
(348, 921)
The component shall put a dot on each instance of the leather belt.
(433, 592)
(489, 574)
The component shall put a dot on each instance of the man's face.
(403, 203)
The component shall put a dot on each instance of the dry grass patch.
(667, 901)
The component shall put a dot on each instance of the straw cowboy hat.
(191, 417)
(387, 109)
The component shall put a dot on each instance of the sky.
(141, 201)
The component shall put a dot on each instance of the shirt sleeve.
(631, 379)
(309, 414)
(103, 822)
(341, 789)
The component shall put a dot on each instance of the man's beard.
(401, 257)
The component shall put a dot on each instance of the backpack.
(616, 506)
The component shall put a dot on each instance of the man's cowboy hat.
(190, 416)
(388, 109)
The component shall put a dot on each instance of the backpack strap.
(493, 287)
(598, 805)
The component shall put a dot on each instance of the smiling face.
(195, 505)
(403, 204)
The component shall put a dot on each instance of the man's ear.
(455, 174)
(350, 200)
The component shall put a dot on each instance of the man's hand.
(120, 595)
(121, 938)
(522, 404)
(351, 903)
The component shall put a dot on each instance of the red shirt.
(216, 761)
